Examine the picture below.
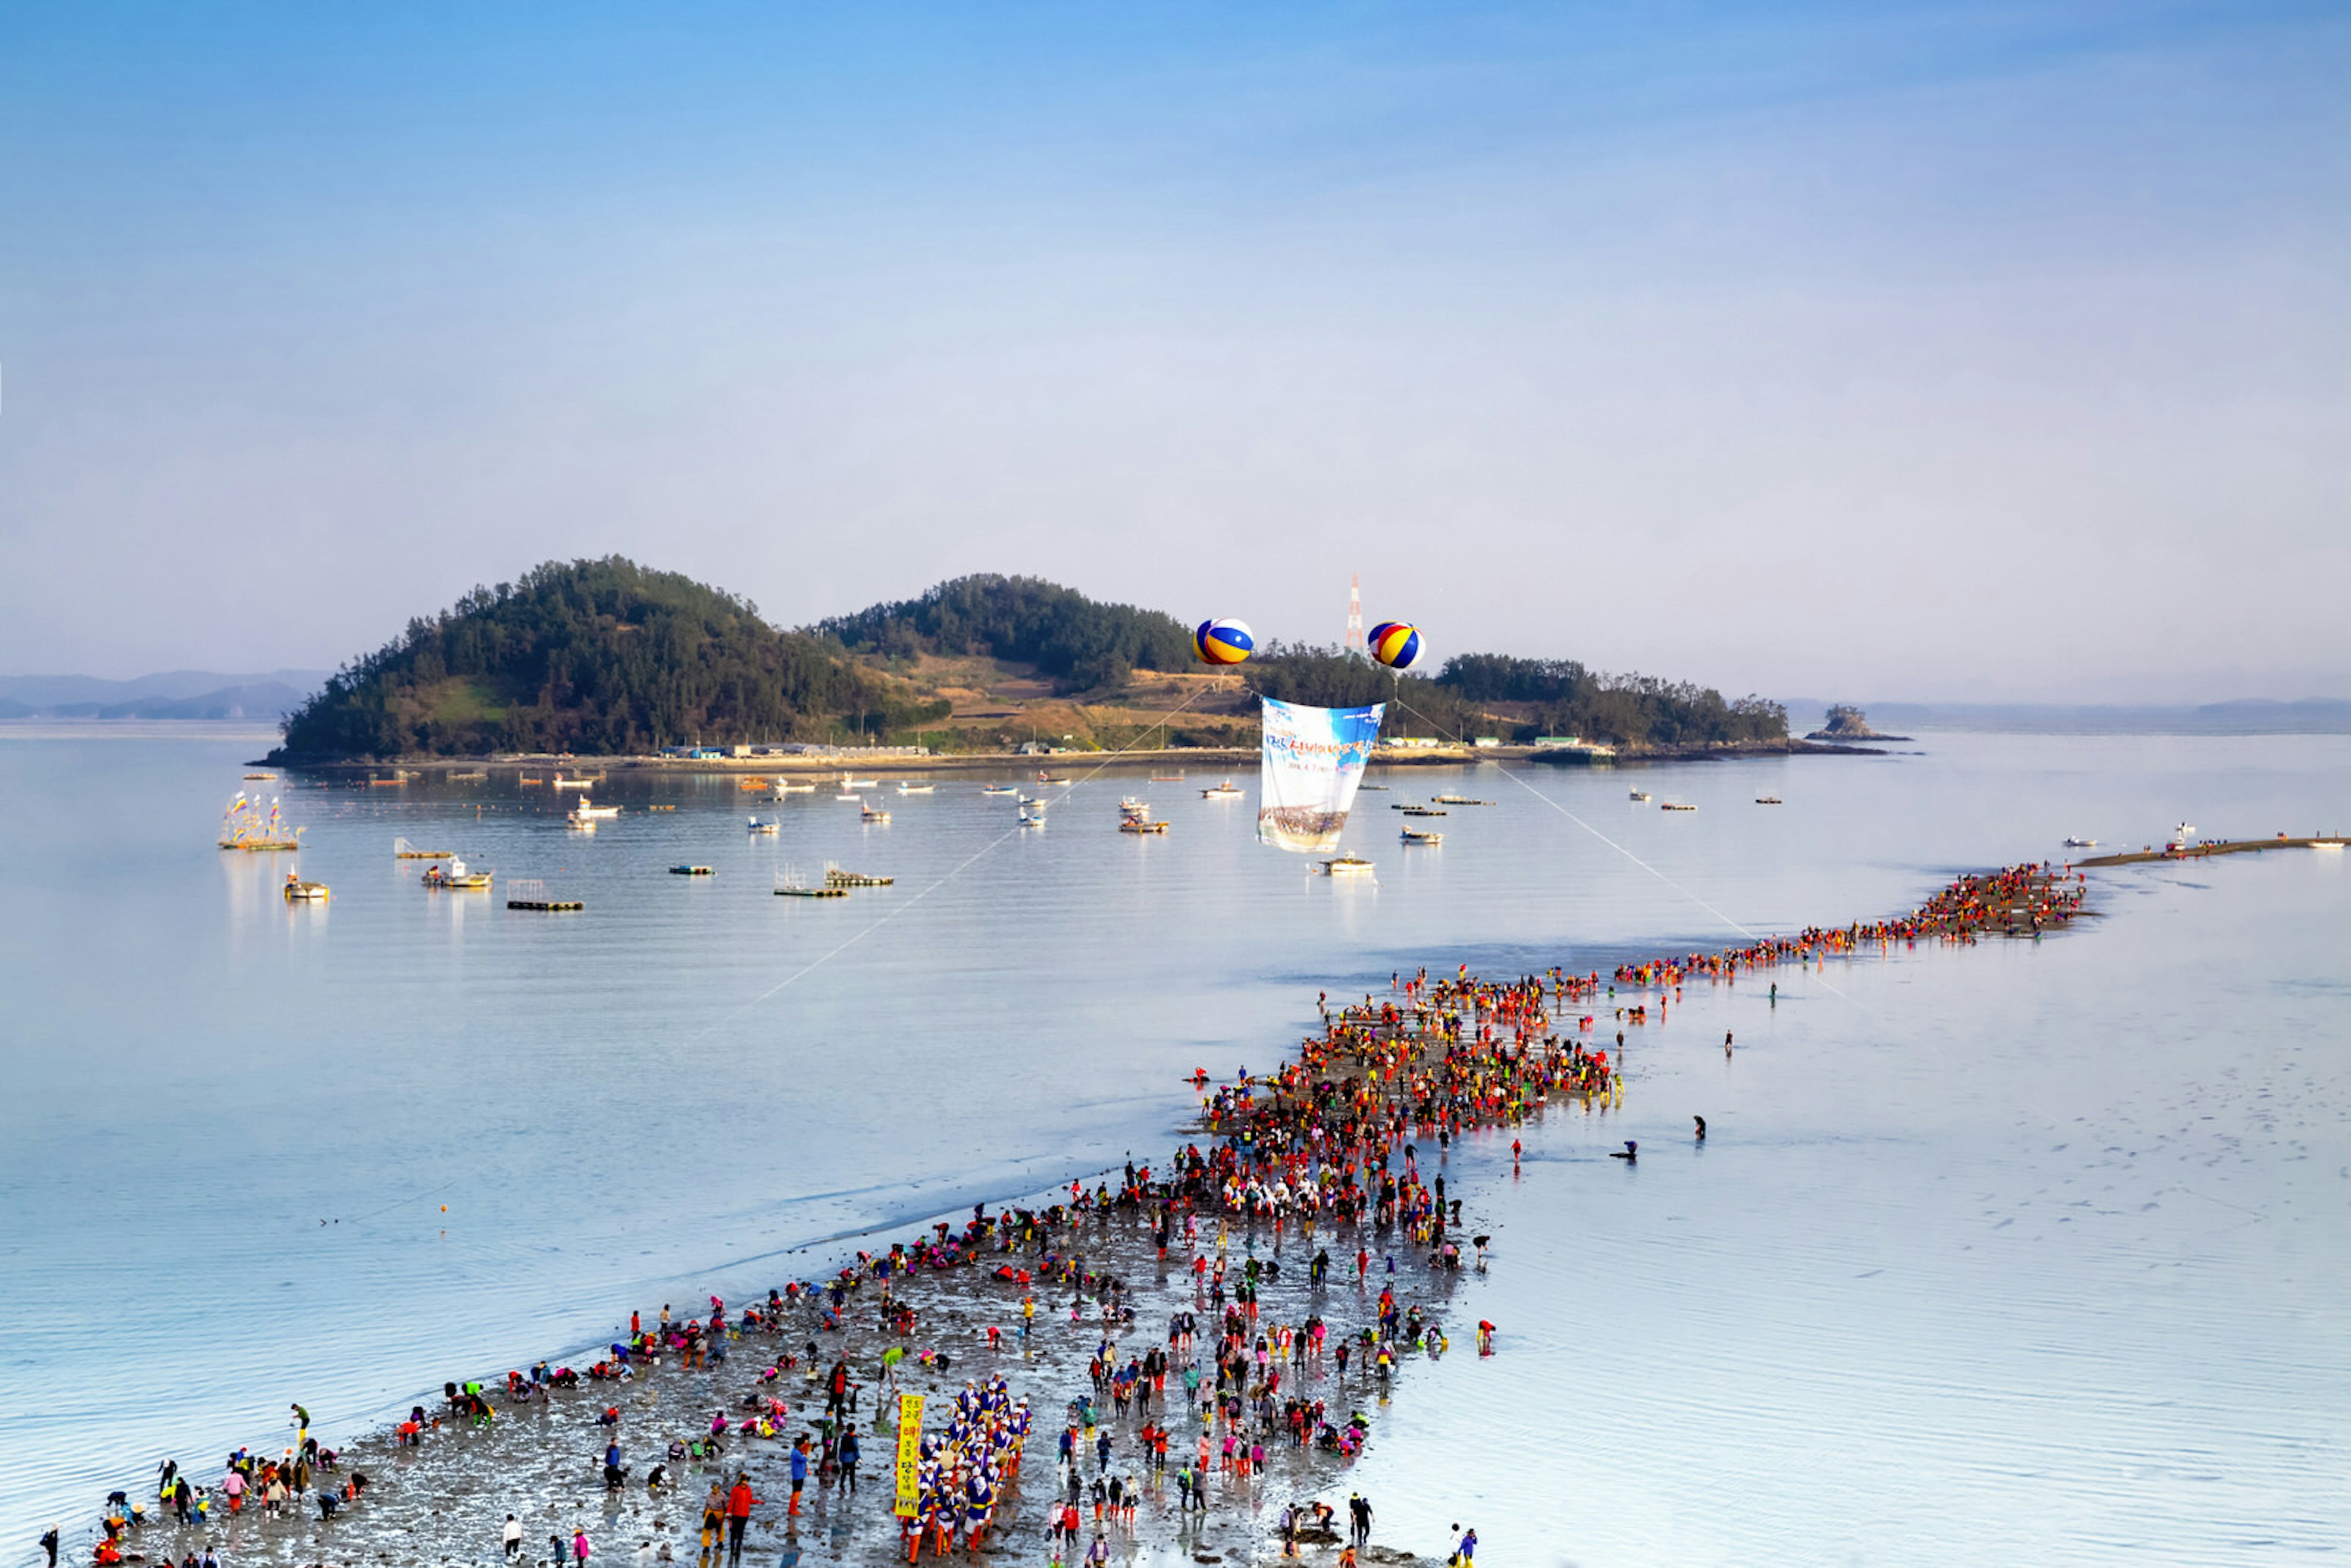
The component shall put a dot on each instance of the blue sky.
(1785, 347)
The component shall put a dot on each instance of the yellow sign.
(910, 1453)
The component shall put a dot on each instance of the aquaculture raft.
(793, 892)
(835, 877)
(531, 894)
(402, 850)
(689, 871)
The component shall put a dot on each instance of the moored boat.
(456, 877)
(1347, 865)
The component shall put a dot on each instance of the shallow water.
(2032, 1249)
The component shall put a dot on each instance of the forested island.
(611, 658)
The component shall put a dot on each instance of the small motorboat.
(849, 783)
(563, 783)
(1347, 865)
(300, 891)
(794, 787)
(1419, 836)
(1227, 790)
(456, 877)
(2081, 843)
(1044, 777)
(1032, 818)
(1000, 789)
(873, 814)
(1140, 825)
(758, 826)
(1674, 806)
(1641, 795)
(910, 787)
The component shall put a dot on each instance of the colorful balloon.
(1396, 645)
(1223, 642)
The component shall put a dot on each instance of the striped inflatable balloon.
(1396, 645)
(1223, 642)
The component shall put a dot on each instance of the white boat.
(2326, 843)
(300, 891)
(1036, 801)
(1415, 836)
(757, 826)
(849, 783)
(456, 877)
(1032, 818)
(793, 787)
(563, 783)
(587, 813)
(1347, 865)
(1227, 790)
(851, 795)
(2081, 843)
(1640, 794)
(874, 814)
(908, 786)
(1000, 789)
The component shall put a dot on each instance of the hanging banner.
(910, 1454)
(1310, 762)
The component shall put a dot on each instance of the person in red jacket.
(739, 1503)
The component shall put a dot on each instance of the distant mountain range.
(263, 697)
(2311, 716)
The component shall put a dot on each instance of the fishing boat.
(1227, 790)
(534, 781)
(873, 814)
(1419, 836)
(265, 777)
(1347, 865)
(1641, 795)
(587, 813)
(689, 871)
(1129, 805)
(563, 783)
(913, 786)
(757, 826)
(1139, 822)
(1000, 789)
(456, 877)
(1032, 817)
(849, 783)
(300, 891)
(245, 826)
(1769, 800)
(2081, 843)
(1045, 778)
(1674, 806)
(794, 787)
(751, 781)
(1036, 801)
(851, 795)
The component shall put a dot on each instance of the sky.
(1944, 352)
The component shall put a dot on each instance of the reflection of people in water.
(1701, 1127)
(1631, 1151)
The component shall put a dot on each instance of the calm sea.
(2030, 1252)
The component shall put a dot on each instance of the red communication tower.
(1354, 644)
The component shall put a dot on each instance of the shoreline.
(1210, 757)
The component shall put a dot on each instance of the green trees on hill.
(1563, 697)
(1536, 696)
(1081, 642)
(595, 657)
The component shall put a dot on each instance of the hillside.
(593, 657)
(1078, 643)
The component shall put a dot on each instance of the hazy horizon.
(1962, 354)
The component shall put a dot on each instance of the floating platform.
(689, 871)
(547, 905)
(1459, 801)
(402, 850)
(811, 893)
(834, 878)
(256, 845)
